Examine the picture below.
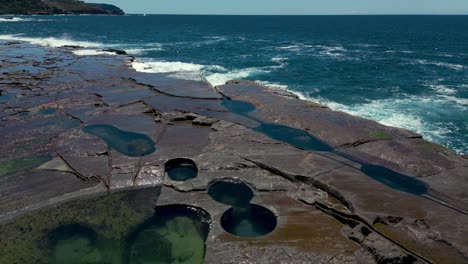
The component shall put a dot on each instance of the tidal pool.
(181, 169)
(175, 234)
(394, 179)
(249, 221)
(73, 244)
(303, 140)
(295, 137)
(238, 107)
(128, 143)
(121, 228)
(234, 193)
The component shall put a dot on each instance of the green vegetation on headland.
(50, 7)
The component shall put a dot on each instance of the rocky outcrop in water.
(342, 189)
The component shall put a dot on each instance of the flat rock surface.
(371, 194)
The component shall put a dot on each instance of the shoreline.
(416, 125)
(191, 120)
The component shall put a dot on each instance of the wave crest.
(51, 41)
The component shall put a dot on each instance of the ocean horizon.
(410, 72)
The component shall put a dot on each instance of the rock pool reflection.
(176, 234)
(73, 244)
(296, 137)
(128, 143)
(249, 221)
(121, 228)
(231, 193)
(181, 169)
(303, 140)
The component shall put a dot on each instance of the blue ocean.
(402, 71)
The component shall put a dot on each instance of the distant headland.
(51, 7)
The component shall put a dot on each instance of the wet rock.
(385, 252)
(328, 208)
(204, 121)
(179, 116)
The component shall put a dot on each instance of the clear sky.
(286, 7)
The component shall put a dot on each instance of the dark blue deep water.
(404, 71)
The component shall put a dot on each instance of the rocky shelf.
(83, 133)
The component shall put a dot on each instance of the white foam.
(386, 112)
(166, 66)
(279, 59)
(136, 51)
(186, 76)
(442, 89)
(400, 113)
(51, 42)
(365, 45)
(334, 52)
(275, 85)
(295, 47)
(213, 40)
(441, 64)
(91, 52)
(221, 78)
(400, 51)
(215, 74)
(463, 102)
(19, 19)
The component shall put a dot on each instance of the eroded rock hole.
(175, 234)
(230, 192)
(181, 169)
(250, 221)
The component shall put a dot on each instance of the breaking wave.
(19, 19)
(406, 113)
(51, 41)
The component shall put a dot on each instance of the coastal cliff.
(51, 7)
(87, 140)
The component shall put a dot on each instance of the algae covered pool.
(120, 228)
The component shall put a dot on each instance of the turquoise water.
(404, 71)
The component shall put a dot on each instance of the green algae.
(112, 217)
(380, 135)
(175, 234)
(22, 164)
(120, 228)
